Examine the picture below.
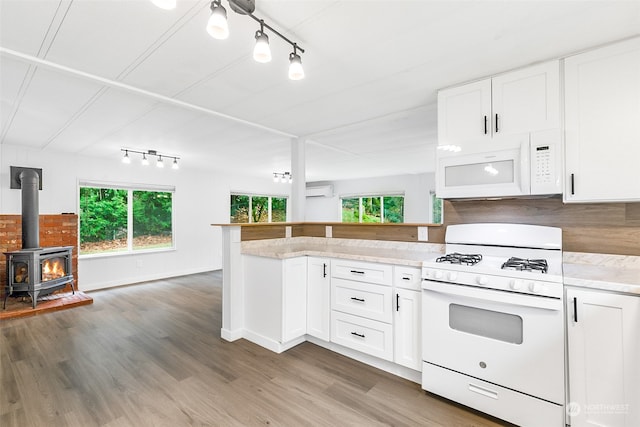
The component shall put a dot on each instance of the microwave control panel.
(545, 169)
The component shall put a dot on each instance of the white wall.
(201, 198)
(416, 188)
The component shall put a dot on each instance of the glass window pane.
(436, 206)
(239, 209)
(279, 209)
(152, 226)
(393, 209)
(103, 220)
(350, 210)
(260, 209)
(371, 209)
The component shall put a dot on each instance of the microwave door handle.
(525, 168)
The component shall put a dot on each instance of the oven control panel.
(522, 285)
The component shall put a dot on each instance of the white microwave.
(519, 165)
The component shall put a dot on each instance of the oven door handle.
(490, 295)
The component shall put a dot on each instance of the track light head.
(160, 162)
(175, 164)
(261, 51)
(217, 26)
(126, 159)
(145, 161)
(296, 72)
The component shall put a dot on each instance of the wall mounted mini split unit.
(320, 191)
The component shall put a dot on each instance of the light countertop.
(607, 272)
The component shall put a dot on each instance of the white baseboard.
(229, 335)
(271, 344)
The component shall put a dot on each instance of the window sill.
(126, 253)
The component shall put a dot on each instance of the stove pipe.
(29, 183)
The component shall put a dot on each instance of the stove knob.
(535, 287)
(482, 280)
(452, 275)
(438, 274)
(515, 284)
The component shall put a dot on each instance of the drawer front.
(362, 299)
(407, 277)
(370, 272)
(492, 399)
(365, 335)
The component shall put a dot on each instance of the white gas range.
(493, 334)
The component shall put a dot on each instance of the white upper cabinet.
(521, 101)
(602, 124)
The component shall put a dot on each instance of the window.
(436, 209)
(373, 209)
(119, 220)
(250, 209)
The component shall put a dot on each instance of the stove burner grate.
(457, 258)
(522, 264)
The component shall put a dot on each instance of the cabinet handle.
(397, 302)
(572, 185)
(485, 124)
(406, 278)
(575, 309)
(357, 334)
(496, 122)
(324, 270)
(357, 272)
(357, 299)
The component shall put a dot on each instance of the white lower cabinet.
(318, 297)
(603, 334)
(275, 300)
(407, 328)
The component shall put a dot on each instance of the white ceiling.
(93, 76)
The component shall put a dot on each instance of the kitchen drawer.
(365, 335)
(362, 299)
(407, 277)
(489, 398)
(370, 272)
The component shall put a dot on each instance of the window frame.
(361, 196)
(130, 188)
(269, 197)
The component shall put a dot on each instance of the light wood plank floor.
(151, 355)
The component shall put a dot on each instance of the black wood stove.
(35, 271)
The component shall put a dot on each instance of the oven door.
(512, 340)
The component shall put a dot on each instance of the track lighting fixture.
(262, 51)
(217, 26)
(145, 159)
(284, 177)
(165, 4)
(126, 159)
(219, 29)
(296, 72)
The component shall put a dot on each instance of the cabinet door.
(407, 328)
(604, 349)
(526, 100)
(294, 298)
(602, 124)
(318, 297)
(464, 113)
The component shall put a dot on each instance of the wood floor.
(151, 355)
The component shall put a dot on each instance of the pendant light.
(165, 4)
(261, 51)
(217, 27)
(296, 72)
